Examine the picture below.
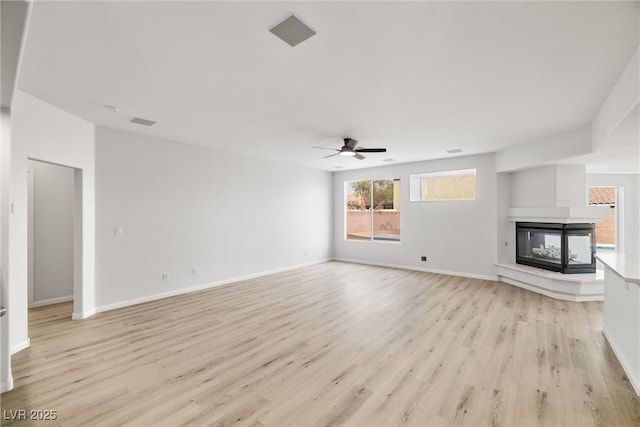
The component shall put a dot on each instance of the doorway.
(51, 213)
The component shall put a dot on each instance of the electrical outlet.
(165, 276)
(117, 231)
(196, 271)
(423, 258)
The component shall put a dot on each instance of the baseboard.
(51, 301)
(6, 386)
(83, 314)
(426, 270)
(21, 346)
(623, 363)
(204, 286)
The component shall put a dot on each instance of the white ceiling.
(416, 77)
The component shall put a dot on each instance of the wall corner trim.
(6, 386)
(19, 347)
(83, 314)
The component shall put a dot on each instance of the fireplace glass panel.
(580, 248)
(565, 248)
(542, 245)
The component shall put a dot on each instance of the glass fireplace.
(566, 248)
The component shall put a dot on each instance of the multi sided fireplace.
(566, 248)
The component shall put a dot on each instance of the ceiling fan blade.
(359, 156)
(370, 150)
(327, 148)
(330, 155)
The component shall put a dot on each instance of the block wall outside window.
(606, 230)
(443, 186)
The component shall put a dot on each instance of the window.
(606, 230)
(441, 186)
(372, 210)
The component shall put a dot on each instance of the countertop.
(625, 266)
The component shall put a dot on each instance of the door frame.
(77, 237)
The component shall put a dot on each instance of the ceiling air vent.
(143, 122)
(292, 31)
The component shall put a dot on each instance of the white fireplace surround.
(560, 215)
(568, 287)
(553, 194)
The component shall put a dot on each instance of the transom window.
(443, 186)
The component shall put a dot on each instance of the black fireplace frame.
(565, 230)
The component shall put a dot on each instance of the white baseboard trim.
(21, 346)
(6, 385)
(83, 314)
(51, 301)
(426, 270)
(623, 363)
(162, 295)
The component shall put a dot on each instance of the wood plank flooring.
(331, 344)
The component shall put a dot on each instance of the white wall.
(630, 184)
(459, 237)
(44, 132)
(506, 229)
(623, 98)
(181, 206)
(533, 187)
(549, 186)
(53, 199)
(548, 150)
(14, 20)
(571, 185)
(5, 187)
(6, 377)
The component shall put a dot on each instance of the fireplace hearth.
(565, 248)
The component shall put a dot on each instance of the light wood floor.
(332, 344)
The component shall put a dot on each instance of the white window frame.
(371, 209)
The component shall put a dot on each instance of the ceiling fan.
(349, 149)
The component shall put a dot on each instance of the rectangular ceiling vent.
(143, 122)
(292, 31)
